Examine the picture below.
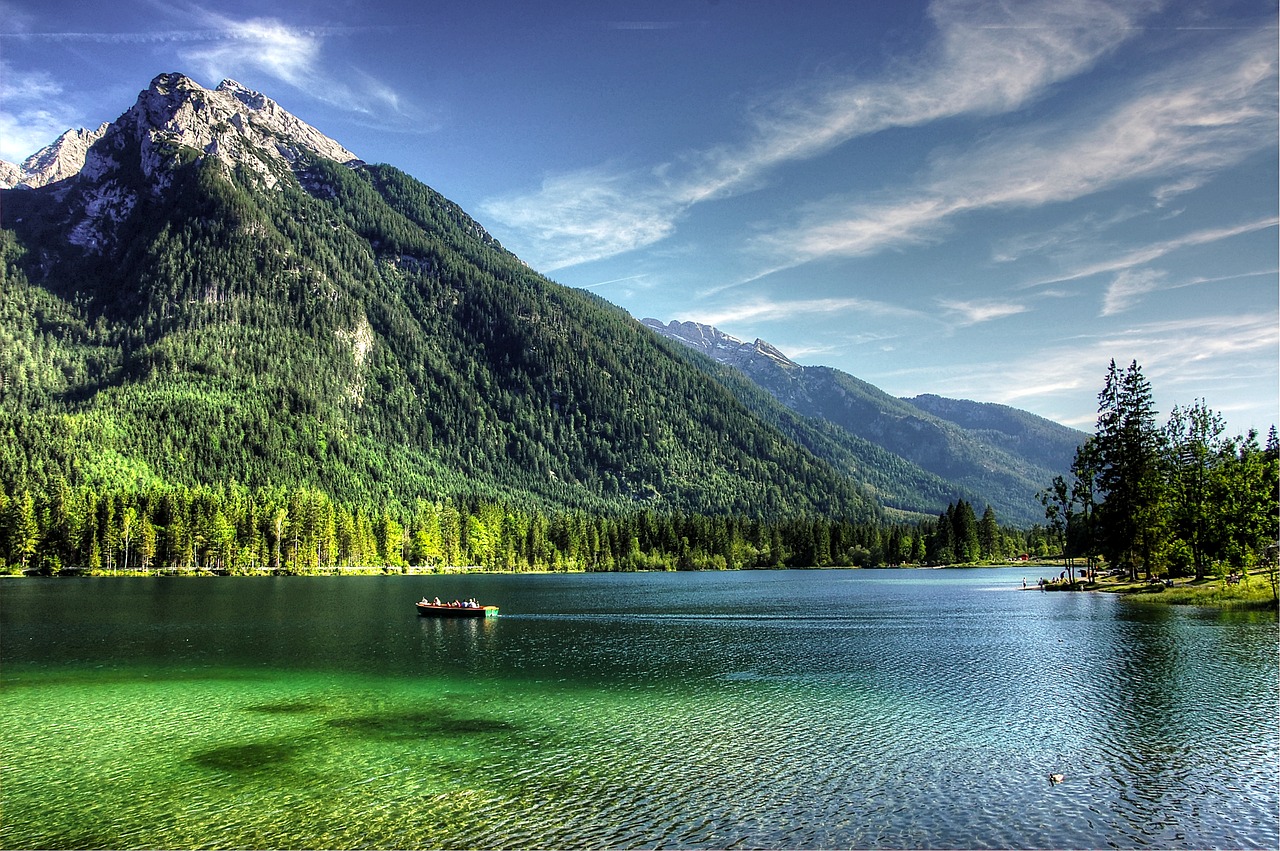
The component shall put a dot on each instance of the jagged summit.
(58, 161)
(720, 346)
(235, 125)
(232, 124)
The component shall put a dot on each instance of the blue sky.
(984, 200)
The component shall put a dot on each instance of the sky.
(983, 200)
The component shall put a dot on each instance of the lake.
(788, 709)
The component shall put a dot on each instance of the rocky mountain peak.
(723, 347)
(238, 128)
(232, 123)
(58, 161)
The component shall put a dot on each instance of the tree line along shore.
(1178, 508)
(231, 529)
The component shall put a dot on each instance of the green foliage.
(356, 333)
(1178, 500)
(234, 529)
(957, 536)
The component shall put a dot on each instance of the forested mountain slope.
(916, 454)
(221, 294)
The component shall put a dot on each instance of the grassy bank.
(1253, 591)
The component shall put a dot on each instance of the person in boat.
(437, 601)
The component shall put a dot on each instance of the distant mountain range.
(981, 451)
(210, 291)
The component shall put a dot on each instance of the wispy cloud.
(776, 310)
(977, 312)
(986, 58)
(220, 46)
(1188, 123)
(625, 280)
(1128, 287)
(1185, 359)
(283, 52)
(292, 54)
(644, 26)
(1154, 251)
(583, 216)
(33, 114)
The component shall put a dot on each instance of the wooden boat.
(447, 610)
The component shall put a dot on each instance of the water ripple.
(681, 717)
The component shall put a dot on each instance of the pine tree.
(964, 524)
(1194, 436)
(989, 535)
(24, 533)
(1128, 447)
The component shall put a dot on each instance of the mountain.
(64, 158)
(208, 291)
(1041, 441)
(945, 449)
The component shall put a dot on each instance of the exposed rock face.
(761, 361)
(723, 347)
(237, 127)
(10, 175)
(64, 158)
(231, 123)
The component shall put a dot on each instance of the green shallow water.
(236, 758)
(242, 759)
(814, 709)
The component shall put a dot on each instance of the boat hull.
(431, 610)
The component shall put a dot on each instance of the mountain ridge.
(220, 295)
(221, 272)
(942, 438)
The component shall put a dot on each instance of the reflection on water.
(790, 709)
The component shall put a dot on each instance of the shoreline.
(1251, 591)
(452, 570)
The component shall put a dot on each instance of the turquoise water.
(798, 709)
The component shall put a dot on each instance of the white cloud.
(225, 47)
(32, 115)
(1147, 253)
(770, 310)
(263, 44)
(1200, 118)
(1128, 287)
(292, 54)
(986, 58)
(976, 312)
(565, 223)
(1228, 359)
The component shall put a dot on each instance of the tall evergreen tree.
(1128, 446)
(989, 534)
(24, 533)
(1194, 436)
